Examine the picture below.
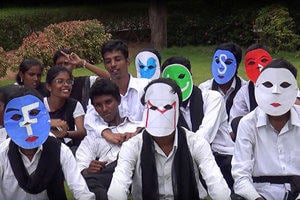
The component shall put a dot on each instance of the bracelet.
(84, 64)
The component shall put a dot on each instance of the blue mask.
(27, 121)
(147, 65)
(223, 66)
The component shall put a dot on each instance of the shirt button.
(283, 167)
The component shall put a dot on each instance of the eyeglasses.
(60, 81)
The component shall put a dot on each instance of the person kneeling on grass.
(34, 165)
(164, 160)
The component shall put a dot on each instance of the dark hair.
(104, 87)
(168, 81)
(25, 65)
(58, 54)
(281, 63)
(153, 51)
(54, 71)
(256, 46)
(16, 91)
(234, 48)
(176, 60)
(115, 45)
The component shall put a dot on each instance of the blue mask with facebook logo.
(27, 121)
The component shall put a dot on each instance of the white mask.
(147, 65)
(162, 110)
(276, 91)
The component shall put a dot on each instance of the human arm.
(73, 177)
(126, 165)
(214, 114)
(243, 161)
(240, 106)
(74, 59)
(202, 154)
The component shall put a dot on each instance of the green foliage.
(83, 37)
(276, 28)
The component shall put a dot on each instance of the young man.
(266, 160)
(164, 160)
(116, 61)
(203, 112)
(34, 165)
(96, 157)
(256, 57)
(225, 63)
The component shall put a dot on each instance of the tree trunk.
(158, 23)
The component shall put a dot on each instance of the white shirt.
(241, 103)
(9, 188)
(3, 134)
(91, 147)
(214, 127)
(128, 169)
(130, 107)
(207, 85)
(261, 151)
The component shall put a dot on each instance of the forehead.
(113, 54)
(104, 97)
(34, 69)
(226, 52)
(155, 91)
(276, 75)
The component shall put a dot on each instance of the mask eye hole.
(151, 67)
(267, 84)
(251, 63)
(264, 60)
(142, 66)
(285, 84)
(228, 62)
(181, 76)
(16, 117)
(153, 108)
(34, 112)
(217, 60)
(168, 107)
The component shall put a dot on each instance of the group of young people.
(154, 136)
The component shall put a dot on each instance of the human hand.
(95, 166)
(60, 125)
(114, 138)
(73, 59)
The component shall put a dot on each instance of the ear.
(128, 61)
(48, 87)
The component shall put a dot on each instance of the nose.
(276, 89)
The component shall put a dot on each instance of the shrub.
(277, 28)
(83, 37)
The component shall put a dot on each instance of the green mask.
(183, 78)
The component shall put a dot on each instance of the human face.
(64, 62)
(107, 108)
(61, 85)
(27, 121)
(276, 91)
(32, 77)
(255, 60)
(116, 64)
(162, 111)
(224, 66)
(183, 78)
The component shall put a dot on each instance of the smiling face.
(27, 121)
(183, 78)
(147, 65)
(116, 64)
(223, 66)
(276, 91)
(61, 85)
(255, 60)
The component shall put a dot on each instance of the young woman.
(30, 74)
(66, 113)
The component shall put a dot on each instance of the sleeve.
(93, 123)
(239, 106)
(73, 177)
(214, 114)
(202, 154)
(78, 111)
(85, 153)
(243, 161)
(122, 176)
